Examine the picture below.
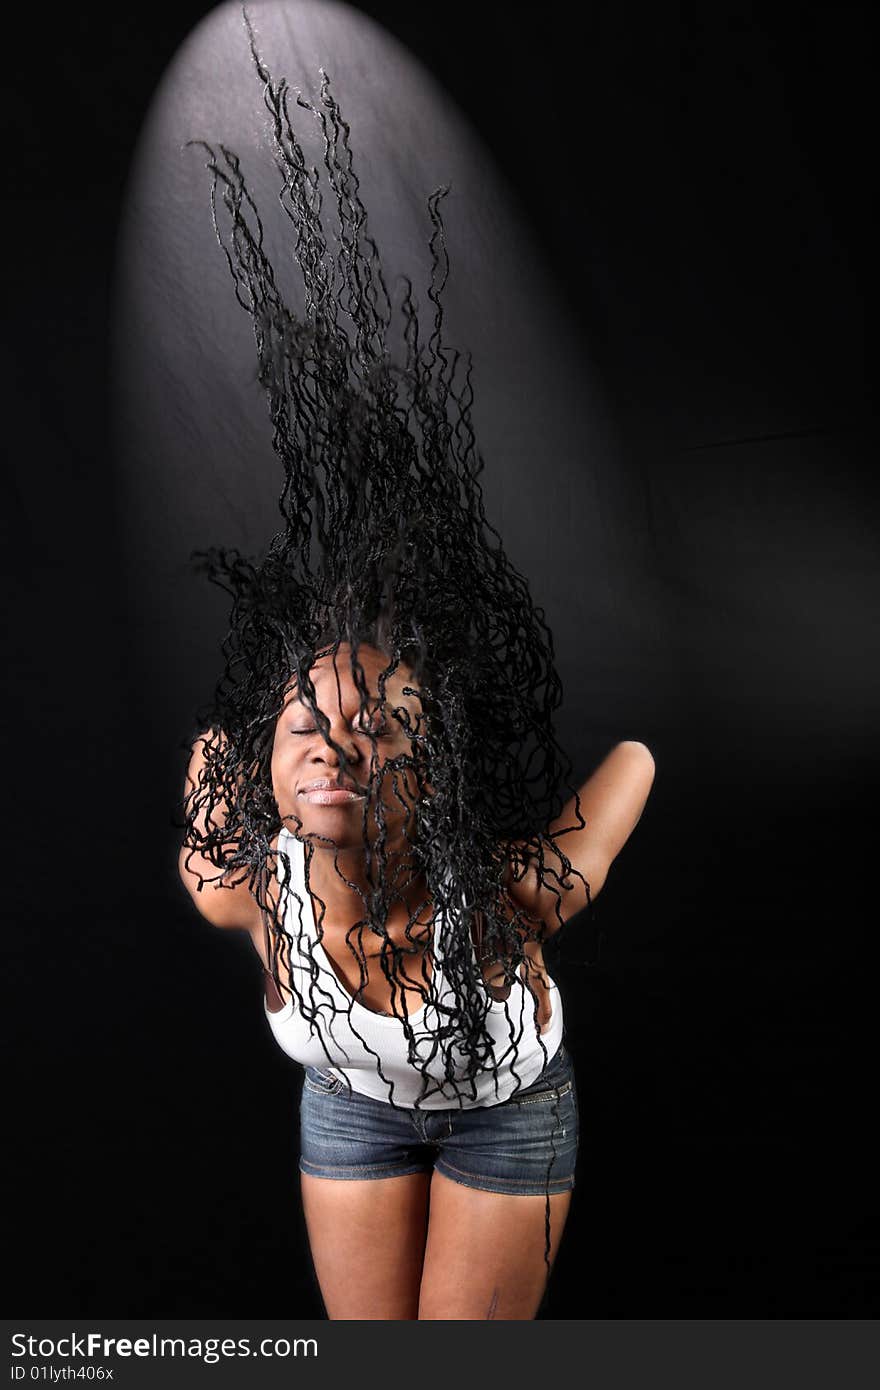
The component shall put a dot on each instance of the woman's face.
(310, 782)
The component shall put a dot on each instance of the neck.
(339, 877)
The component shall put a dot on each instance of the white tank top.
(361, 1047)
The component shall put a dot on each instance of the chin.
(330, 824)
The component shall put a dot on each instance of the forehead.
(334, 680)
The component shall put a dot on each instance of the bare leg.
(485, 1252)
(368, 1242)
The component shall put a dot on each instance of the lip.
(324, 792)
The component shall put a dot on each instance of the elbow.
(640, 756)
(640, 750)
(191, 879)
(220, 903)
(197, 886)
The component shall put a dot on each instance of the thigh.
(485, 1252)
(501, 1172)
(367, 1239)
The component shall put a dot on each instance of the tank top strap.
(296, 914)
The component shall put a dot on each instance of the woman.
(377, 795)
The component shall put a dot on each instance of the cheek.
(399, 788)
(280, 766)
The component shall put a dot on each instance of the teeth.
(331, 789)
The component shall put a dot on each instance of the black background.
(697, 178)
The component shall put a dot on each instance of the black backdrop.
(696, 184)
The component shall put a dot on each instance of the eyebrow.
(371, 707)
(298, 705)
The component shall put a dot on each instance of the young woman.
(377, 795)
(434, 1211)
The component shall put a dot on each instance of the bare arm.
(217, 896)
(611, 803)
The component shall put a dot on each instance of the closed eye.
(380, 731)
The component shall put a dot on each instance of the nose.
(342, 737)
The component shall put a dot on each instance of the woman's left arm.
(611, 802)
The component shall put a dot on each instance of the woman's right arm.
(223, 902)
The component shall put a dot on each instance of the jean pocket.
(322, 1083)
(542, 1097)
(555, 1081)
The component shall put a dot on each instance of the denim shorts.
(525, 1146)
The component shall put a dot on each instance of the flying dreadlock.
(385, 542)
